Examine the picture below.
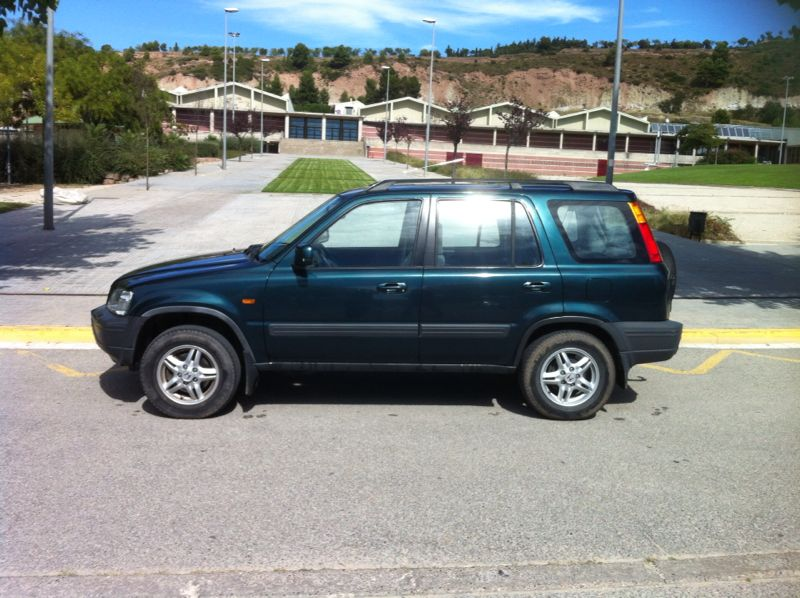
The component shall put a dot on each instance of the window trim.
(430, 249)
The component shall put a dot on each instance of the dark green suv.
(560, 282)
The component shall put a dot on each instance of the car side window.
(484, 233)
(598, 232)
(379, 234)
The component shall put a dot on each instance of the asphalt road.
(686, 484)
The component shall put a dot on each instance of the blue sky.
(396, 23)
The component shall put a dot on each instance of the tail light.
(647, 235)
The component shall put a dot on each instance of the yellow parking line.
(691, 336)
(713, 361)
(60, 368)
(46, 334)
(740, 336)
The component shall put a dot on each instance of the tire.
(574, 394)
(175, 386)
(672, 272)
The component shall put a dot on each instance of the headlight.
(120, 301)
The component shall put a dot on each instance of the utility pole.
(781, 156)
(386, 118)
(432, 23)
(49, 179)
(612, 133)
(229, 10)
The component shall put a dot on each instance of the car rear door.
(487, 278)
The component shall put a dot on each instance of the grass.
(319, 175)
(740, 175)
(461, 172)
(7, 206)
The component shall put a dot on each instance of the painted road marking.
(81, 337)
(60, 368)
(713, 361)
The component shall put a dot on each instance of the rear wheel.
(190, 372)
(567, 375)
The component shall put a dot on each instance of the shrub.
(732, 156)
(677, 223)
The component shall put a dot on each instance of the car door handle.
(536, 286)
(392, 287)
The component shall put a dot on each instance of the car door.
(487, 279)
(358, 301)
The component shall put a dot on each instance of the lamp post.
(228, 11)
(263, 60)
(781, 156)
(431, 22)
(386, 118)
(612, 133)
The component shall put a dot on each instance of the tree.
(721, 116)
(33, 10)
(275, 86)
(713, 70)
(344, 96)
(300, 56)
(699, 136)
(457, 119)
(794, 4)
(400, 131)
(341, 58)
(518, 122)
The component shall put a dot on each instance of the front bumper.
(116, 335)
(645, 342)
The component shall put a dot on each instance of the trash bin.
(697, 224)
(602, 167)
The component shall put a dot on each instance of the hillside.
(566, 80)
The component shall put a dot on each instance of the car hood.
(190, 266)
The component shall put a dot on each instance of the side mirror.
(303, 257)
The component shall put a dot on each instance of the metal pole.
(262, 109)
(225, 97)
(781, 157)
(612, 134)
(430, 94)
(49, 179)
(386, 118)
(196, 128)
(8, 154)
(146, 144)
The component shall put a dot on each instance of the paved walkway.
(125, 226)
(757, 215)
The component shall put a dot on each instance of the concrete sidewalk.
(757, 215)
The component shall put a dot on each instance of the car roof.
(608, 191)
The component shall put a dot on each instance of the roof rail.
(517, 185)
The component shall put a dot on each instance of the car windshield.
(291, 234)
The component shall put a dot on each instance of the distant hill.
(655, 82)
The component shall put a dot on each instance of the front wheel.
(190, 372)
(567, 375)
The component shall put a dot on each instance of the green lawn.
(740, 175)
(7, 206)
(319, 175)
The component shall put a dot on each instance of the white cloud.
(371, 19)
(654, 24)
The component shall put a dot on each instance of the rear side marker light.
(647, 235)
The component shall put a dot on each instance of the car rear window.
(599, 231)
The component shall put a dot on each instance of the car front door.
(487, 279)
(357, 300)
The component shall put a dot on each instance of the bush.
(677, 223)
(732, 156)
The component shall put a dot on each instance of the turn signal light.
(248, 301)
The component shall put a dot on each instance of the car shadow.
(350, 388)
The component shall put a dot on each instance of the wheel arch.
(613, 341)
(160, 319)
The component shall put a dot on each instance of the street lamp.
(263, 60)
(386, 119)
(431, 22)
(781, 157)
(229, 10)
